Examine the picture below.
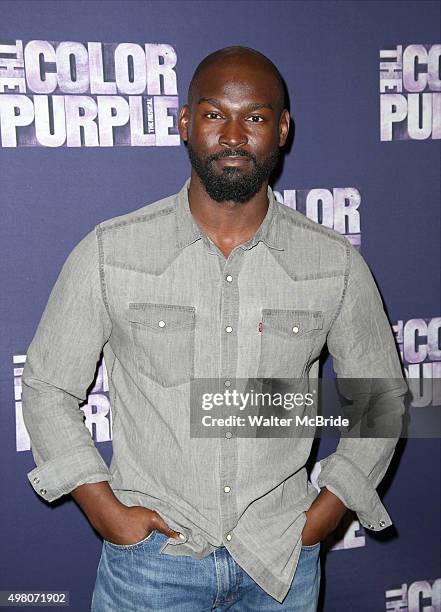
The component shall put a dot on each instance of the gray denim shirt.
(156, 265)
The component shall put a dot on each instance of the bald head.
(234, 124)
(231, 62)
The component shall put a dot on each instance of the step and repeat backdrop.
(89, 96)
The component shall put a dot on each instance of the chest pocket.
(164, 339)
(288, 339)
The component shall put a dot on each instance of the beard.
(232, 184)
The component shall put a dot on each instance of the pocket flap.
(292, 322)
(162, 317)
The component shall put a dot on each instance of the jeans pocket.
(288, 340)
(131, 546)
(311, 546)
(164, 339)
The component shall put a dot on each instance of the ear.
(284, 127)
(184, 122)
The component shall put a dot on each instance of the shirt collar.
(188, 231)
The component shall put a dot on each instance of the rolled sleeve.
(60, 367)
(350, 484)
(62, 474)
(362, 346)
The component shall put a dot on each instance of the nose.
(233, 135)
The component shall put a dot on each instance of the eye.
(212, 115)
(255, 119)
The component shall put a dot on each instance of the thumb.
(171, 533)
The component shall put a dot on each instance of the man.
(219, 281)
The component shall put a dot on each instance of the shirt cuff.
(343, 478)
(60, 475)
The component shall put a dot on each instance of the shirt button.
(228, 329)
(36, 480)
(295, 329)
(227, 489)
(161, 323)
(371, 527)
(227, 383)
(43, 491)
(228, 434)
(228, 536)
(229, 278)
(382, 523)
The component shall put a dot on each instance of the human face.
(234, 129)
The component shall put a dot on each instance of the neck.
(227, 222)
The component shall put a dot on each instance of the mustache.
(231, 153)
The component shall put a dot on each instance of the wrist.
(99, 503)
(109, 513)
(327, 510)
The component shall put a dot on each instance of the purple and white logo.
(419, 596)
(75, 94)
(336, 208)
(410, 98)
(97, 410)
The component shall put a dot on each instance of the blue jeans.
(137, 578)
